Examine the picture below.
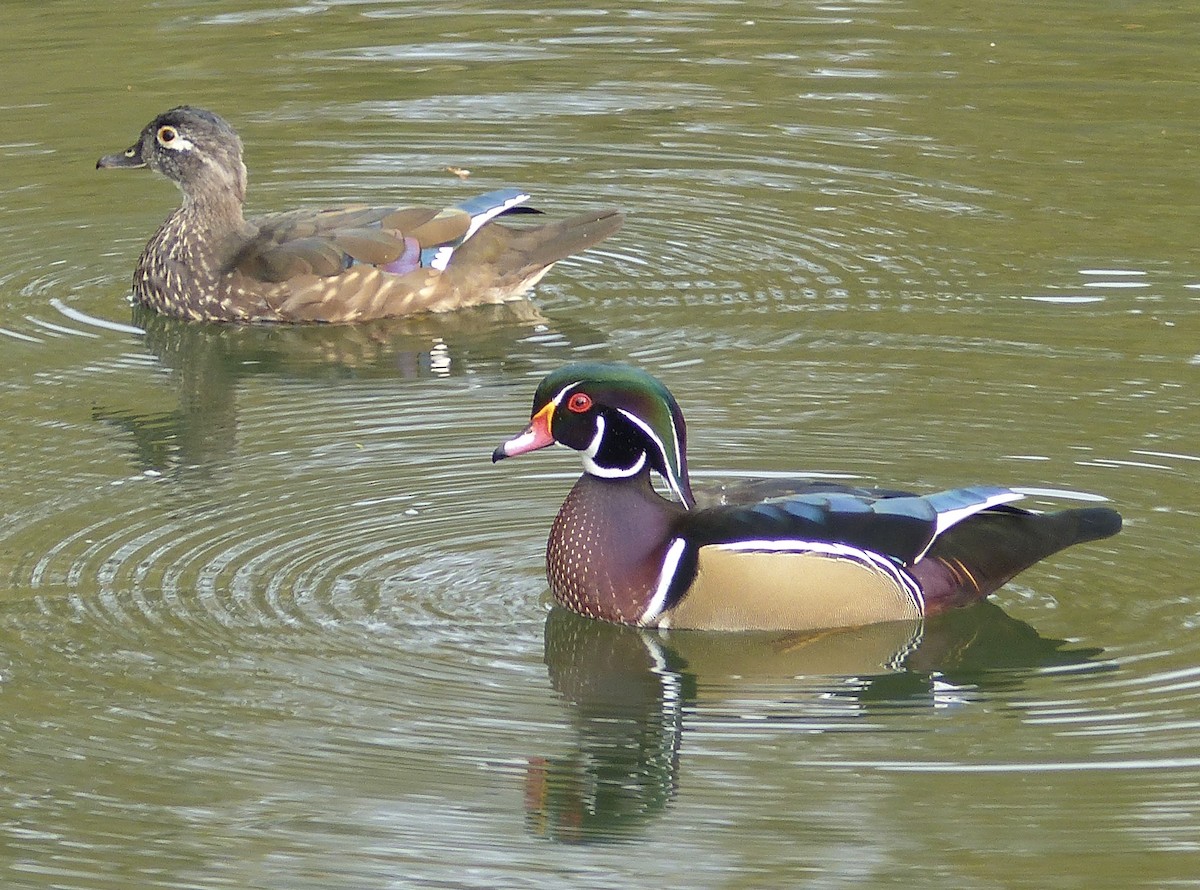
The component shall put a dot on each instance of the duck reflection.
(629, 690)
(208, 361)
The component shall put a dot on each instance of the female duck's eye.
(579, 402)
(166, 135)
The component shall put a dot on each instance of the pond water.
(269, 617)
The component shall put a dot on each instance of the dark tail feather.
(1094, 523)
(539, 247)
(502, 261)
(984, 552)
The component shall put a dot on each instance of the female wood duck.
(826, 557)
(207, 262)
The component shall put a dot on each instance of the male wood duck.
(207, 262)
(831, 556)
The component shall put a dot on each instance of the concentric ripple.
(347, 517)
(272, 619)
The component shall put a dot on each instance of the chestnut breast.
(607, 546)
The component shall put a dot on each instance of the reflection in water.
(208, 361)
(627, 695)
(275, 675)
(629, 690)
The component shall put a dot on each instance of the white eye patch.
(178, 144)
(170, 137)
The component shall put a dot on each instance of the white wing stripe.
(479, 220)
(441, 259)
(953, 517)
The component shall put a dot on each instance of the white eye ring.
(169, 137)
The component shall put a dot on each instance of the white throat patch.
(589, 458)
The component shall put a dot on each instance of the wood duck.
(828, 556)
(207, 262)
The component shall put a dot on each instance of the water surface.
(270, 618)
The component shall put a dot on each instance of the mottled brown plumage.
(207, 262)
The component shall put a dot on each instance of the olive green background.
(269, 618)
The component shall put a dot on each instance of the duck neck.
(607, 546)
(194, 244)
(214, 207)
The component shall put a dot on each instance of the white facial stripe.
(589, 462)
(594, 446)
(665, 576)
(614, 472)
(562, 393)
(645, 428)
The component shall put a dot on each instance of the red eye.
(579, 402)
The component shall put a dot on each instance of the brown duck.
(208, 262)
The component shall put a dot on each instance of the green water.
(269, 618)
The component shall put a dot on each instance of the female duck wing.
(362, 262)
(396, 240)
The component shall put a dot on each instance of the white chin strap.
(594, 469)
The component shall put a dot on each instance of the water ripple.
(271, 617)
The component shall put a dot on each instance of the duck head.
(194, 148)
(621, 419)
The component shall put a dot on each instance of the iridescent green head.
(619, 417)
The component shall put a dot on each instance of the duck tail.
(514, 259)
(976, 557)
(547, 244)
